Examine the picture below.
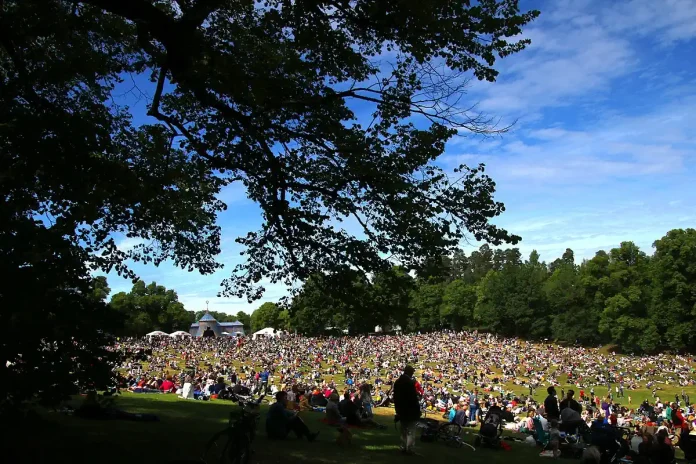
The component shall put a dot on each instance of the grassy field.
(185, 426)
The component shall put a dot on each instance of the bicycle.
(449, 433)
(239, 435)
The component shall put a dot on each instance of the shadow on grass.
(185, 426)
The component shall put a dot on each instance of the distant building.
(208, 322)
(388, 329)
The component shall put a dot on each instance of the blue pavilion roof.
(206, 317)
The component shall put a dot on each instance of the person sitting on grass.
(461, 416)
(351, 411)
(280, 421)
(304, 402)
(167, 386)
(366, 400)
(218, 387)
(333, 413)
(318, 399)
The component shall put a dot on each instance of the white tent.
(179, 333)
(157, 333)
(267, 332)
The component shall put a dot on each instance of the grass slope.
(186, 425)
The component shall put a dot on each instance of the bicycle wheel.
(238, 452)
(449, 432)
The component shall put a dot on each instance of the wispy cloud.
(129, 243)
(579, 48)
(617, 147)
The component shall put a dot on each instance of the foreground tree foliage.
(51, 319)
(260, 93)
(622, 297)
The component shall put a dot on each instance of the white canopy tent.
(267, 332)
(157, 333)
(179, 333)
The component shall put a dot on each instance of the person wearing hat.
(407, 408)
(551, 404)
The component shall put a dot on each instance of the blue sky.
(603, 149)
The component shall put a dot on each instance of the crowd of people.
(456, 374)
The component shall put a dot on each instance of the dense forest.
(623, 296)
(639, 302)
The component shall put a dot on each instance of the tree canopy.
(260, 93)
(267, 315)
(151, 307)
(219, 316)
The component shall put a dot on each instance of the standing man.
(551, 405)
(473, 405)
(264, 381)
(569, 402)
(407, 408)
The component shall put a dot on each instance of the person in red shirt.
(680, 421)
(167, 386)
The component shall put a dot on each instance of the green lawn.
(185, 426)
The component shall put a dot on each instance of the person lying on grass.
(280, 421)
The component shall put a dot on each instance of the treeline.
(622, 296)
(153, 307)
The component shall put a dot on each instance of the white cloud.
(564, 62)
(129, 243)
(588, 230)
(580, 48)
(665, 21)
(616, 147)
